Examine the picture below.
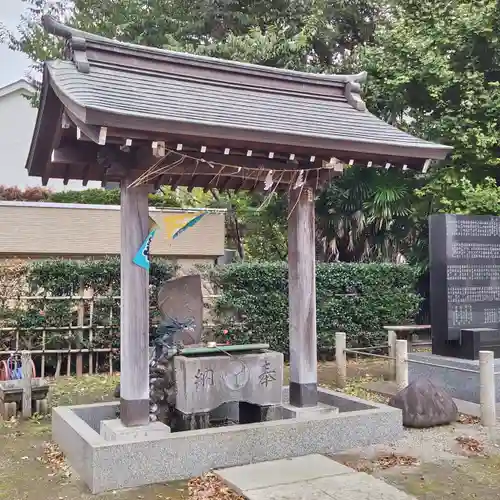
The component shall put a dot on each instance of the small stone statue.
(167, 344)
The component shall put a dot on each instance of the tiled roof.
(147, 94)
(122, 91)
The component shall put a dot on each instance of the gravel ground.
(461, 461)
(438, 443)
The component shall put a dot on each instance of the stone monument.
(465, 303)
(181, 299)
(465, 285)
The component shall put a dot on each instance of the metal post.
(391, 341)
(401, 364)
(487, 397)
(341, 358)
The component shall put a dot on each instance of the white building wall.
(17, 121)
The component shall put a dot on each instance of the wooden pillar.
(341, 359)
(302, 298)
(27, 371)
(134, 318)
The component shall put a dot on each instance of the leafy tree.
(311, 35)
(162, 199)
(435, 70)
(458, 195)
(367, 215)
(305, 34)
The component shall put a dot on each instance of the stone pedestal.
(114, 430)
(458, 384)
(250, 413)
(191, 421)
(11, 397)
(227, 411)
(290, 411)
(203, 383)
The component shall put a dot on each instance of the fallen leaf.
(360, 465)
(210, 487)
(393, 460)
(468, 419)
(470, 445)
(53, 457)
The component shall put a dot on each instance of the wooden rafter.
(92, 132)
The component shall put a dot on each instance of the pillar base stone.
(134, 412)
(115, 430)
(303, 395)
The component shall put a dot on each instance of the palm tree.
(368, 214)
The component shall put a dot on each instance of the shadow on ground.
(472, 478)
(30, 467)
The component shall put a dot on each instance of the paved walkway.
(313, 477)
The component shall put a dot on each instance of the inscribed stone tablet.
(182, 299)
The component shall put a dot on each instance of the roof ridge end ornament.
(76, 45)
(352, 91)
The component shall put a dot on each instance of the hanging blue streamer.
(141, 258)
(191, 223)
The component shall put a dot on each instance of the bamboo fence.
(86, 332)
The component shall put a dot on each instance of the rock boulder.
(425, 405)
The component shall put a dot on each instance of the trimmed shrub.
(358, 299)
(111, 197)
(62, 278)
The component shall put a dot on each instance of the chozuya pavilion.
(143, 117)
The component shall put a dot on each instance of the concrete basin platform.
(142, 458)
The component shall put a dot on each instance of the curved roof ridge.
(57, 28)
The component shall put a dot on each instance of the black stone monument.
(465, 284)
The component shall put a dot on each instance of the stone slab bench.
(11, 397)
(407, 332)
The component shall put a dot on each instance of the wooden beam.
(134, 318)
(302, 298)
(145, 157)
(176, 182)
(66, 175)
(56, 138)
(75, 155)
(192, 183)
(94, 133)
(246, 161)
(85, 175)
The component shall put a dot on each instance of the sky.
(13, 65)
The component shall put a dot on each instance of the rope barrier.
(369, 354)
(458, 369)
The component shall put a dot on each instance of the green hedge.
(62, 278)
(358, 299)
(110, 197)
